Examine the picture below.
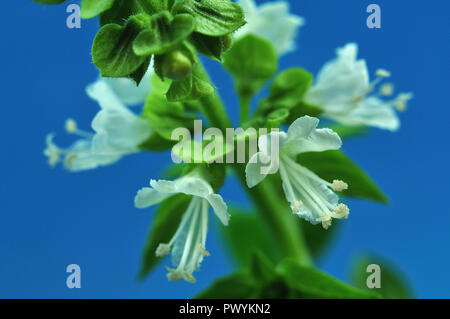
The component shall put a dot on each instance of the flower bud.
(176, 65)
(226, 42)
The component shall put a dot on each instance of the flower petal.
(147, 196)
(219, 207)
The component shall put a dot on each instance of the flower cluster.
(342, 92)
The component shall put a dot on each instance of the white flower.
(345, 94)
(310, 197)
(188, 243)
(271, 21)
(118, 131)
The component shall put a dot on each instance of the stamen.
(341, 211)
(189, 277)
(203, 251)
(326, 223)
(383, 73)
(174, 274)
(387, 89)
(339, 185)
(70, 157)
(162, 250)
(71, 126)
(297, 205)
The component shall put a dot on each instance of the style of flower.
(271, 21)
(187, 245)
(118, 131)
(310, 197)
(344, 93)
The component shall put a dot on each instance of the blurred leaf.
(212, 17)
(236, 286)
(317, 238)
(120, 11)
(247, 234)
(309, 282)
(332, 165)
(262, 268)
(393, 283)
(252, 61)
(167, 218)
(165, 116)
(92, 8)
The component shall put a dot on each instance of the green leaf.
(393, 283)
(205, 152)
(165, 116)
(277, 117)
(164, 34)
(212, 47)
(287, 91)
(302, 109)
(156, 143)
(252, 61)
(167, 218)
(190, 88)
(49, 1)
(92, 8)
(236, 286)
(120, 12)
(262, 268)
(309, 282)
(213, 17)
(247, 234)
(112, 51)
(332, 165)
(317, 238)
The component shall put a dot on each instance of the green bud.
(226, 42)
(176, 65)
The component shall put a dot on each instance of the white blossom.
(271, 21)
(346, 95)
(310, 197)
(187, 245)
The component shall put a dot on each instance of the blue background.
(51, 218)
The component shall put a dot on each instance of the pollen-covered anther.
(71, 126)
(341, 211)
(189, 277)
(162, 250)
(70, 158)
(326, 223)
(296, 206)
(204, 252)
(174, 274)
(383, 73)
(339, 185)
(387, 89)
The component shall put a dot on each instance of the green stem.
(285, 229)
(244, 102)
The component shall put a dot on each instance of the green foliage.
(190, 88)
(120, 12)
(165, 116)
(236, 286)
(289, 279)
(167, 218)
(213, 17)
(345, 131)
(308, 282)
(247, 234)
(92, 8)
(317, 238)
(393, 283)
(112, 51)
(165, 33)
(332, 165)
(252, 61)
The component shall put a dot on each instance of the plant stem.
(244, 102)
(287, 232)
